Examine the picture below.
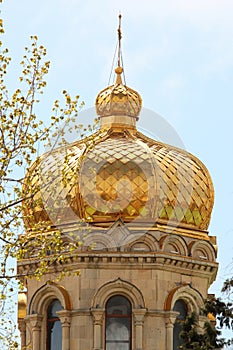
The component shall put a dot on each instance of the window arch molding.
(45, 295)
(118, 287)
(37, 313)
(193, 300)
(186, 293)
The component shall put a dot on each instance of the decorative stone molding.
(65, 318)
(98, 315)
(185, 292)
(46, 294)
(35, 321)
(202, 250)
(139, 315)
(170, 318)
(103, 259)
(150, 243)
(174, 244)
(99, 241)
(118, 287)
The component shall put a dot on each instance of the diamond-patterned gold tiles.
(118, 99)
(117, 177)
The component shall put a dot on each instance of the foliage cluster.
(209, 337)
(21, 134)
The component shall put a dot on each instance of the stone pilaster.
(169, 322)
(22, 329)
(98, 315)
(35, 321)
(65, 318)
(139, 315)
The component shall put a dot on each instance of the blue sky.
(178, 54)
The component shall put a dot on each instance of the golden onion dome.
(119, 173)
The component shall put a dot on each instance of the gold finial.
(118, 72)
(118, 101)
(119, 69)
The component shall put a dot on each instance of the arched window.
(54, 327)
(118, 324)
(181, 307)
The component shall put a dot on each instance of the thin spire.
(119, 41)
(119, 69)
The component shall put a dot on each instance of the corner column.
(35, 321)
(139, 315)
(98, 327)
(22, 329)
(64, 316)
(169, 322)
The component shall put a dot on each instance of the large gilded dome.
(119, 173)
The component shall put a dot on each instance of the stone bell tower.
(147, 257)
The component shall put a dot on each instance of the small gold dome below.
(22, 305)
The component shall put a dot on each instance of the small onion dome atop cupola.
(118, 99)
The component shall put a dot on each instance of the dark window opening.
(118, 323)
(54, 327)
(181, 307)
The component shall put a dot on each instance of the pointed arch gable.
(43, 296)
(202, 250)
(148, 240)
(98, 241)
(118, 286)
(169, 241)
